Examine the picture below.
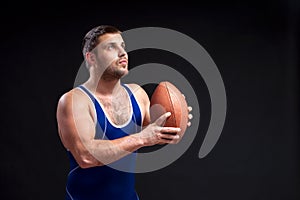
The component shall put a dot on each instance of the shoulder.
(143, 100)
(68, 97)
(139, 92)
(73, 97)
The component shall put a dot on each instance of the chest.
(117, 109)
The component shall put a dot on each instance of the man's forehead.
(110, 38)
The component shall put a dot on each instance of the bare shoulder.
(74, 98)
(143, 99)
(68, 97)
(139, 92)
(74, 105)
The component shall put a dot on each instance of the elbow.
(86, 162)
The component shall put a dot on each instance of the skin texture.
(76, 115)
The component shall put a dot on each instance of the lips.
(123, 62)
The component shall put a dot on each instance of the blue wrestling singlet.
(106, 182)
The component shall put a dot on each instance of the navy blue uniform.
(106, 182)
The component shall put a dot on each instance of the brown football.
(168, 98)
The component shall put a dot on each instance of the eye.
(123, 46)
(110, 47)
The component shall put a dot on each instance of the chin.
(124, 73)
(120, 73)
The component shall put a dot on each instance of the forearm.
(108, 151)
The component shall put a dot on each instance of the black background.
(253, 43)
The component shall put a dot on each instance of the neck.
(104, 87)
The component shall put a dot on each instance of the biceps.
(77, 134)
(75, 130)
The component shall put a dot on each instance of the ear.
(90, 58)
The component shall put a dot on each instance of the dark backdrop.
(253, 43)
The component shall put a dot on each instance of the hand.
(190, 116)
(155, 133)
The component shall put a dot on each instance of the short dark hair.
(91, 39)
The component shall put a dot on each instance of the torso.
(108, 181)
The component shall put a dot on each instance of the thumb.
(162, 118)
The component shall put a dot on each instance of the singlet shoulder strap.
(88, 93)
(135, 106)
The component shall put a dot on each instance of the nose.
(122, 52)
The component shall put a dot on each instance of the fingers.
(190, 116)
(168, 135)
(168, 138)
(189, 107)
(162, 118)
(169, 130)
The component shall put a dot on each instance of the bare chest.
(117, 109)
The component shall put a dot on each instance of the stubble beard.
(111, 74)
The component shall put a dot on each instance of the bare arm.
(76, 123)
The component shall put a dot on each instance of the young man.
(100, 122)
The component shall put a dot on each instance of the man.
(100, 122)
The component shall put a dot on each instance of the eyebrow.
(114, 43)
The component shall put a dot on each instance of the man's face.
(111, 56)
